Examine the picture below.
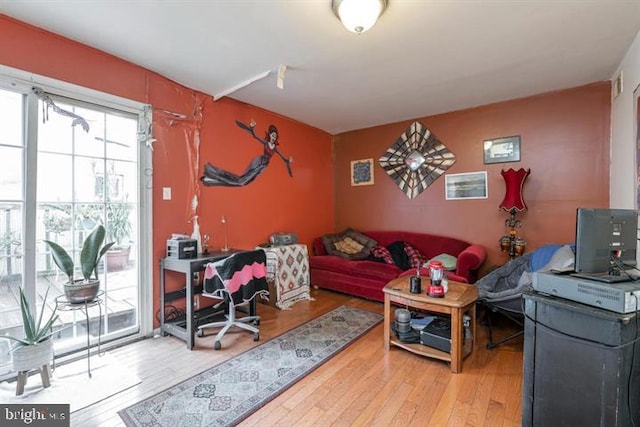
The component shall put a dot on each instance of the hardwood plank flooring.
(360, 386)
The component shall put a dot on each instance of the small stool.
(45, 374)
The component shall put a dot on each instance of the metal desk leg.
(189, 308)
(162, 308)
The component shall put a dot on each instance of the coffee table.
(460, 299)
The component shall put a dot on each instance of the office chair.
(237, 280)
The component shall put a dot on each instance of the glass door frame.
(22, 82)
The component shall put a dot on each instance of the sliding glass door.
(68, 166)
(12, 203)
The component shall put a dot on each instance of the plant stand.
(31, 357)
(62, 304)
(45, 374)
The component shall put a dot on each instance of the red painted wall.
(564, 141)
(273, 202)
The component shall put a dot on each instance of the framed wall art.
(416, 159)
(472, 185)
(362, 172)
(502, 150)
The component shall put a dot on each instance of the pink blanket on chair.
(242, 275)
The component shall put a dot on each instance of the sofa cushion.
(449, 262)
(349, 244)
(414, 257)
(381, 254)
(368, 269)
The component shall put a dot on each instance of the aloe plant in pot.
(35, 348)
(85, 289)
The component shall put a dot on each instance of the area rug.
(227, 393)
(71, 384)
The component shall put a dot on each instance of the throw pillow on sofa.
(381, 254)
(414, 256)
(449, 262)
(349, 244)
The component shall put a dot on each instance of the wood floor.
(361, 386)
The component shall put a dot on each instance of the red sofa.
(367, 278)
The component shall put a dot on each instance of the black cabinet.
(581, 365)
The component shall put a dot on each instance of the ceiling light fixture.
(358, 15)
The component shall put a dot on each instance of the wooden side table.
(461, 298)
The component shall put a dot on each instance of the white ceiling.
(423, 57)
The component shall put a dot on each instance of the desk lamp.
(513, 203)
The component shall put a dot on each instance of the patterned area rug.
(228, 393)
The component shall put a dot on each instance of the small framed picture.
(362, 172)
(502, 150)
(472, 185)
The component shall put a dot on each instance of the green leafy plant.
(90, 255)
(118, 222)
(34, 329)
(8, 240)
(57, 218)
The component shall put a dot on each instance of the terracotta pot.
(80, 292)
(27, 357)
(117, 259)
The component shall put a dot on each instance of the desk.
(288, 271)
(63, 305)
(185, 328)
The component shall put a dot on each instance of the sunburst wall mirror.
(416, 160)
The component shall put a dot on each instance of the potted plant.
(35, 349)
(119, 230)
(86, 289)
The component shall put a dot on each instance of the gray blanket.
(504, 282)
(516, 277)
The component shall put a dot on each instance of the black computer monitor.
(606, 240)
